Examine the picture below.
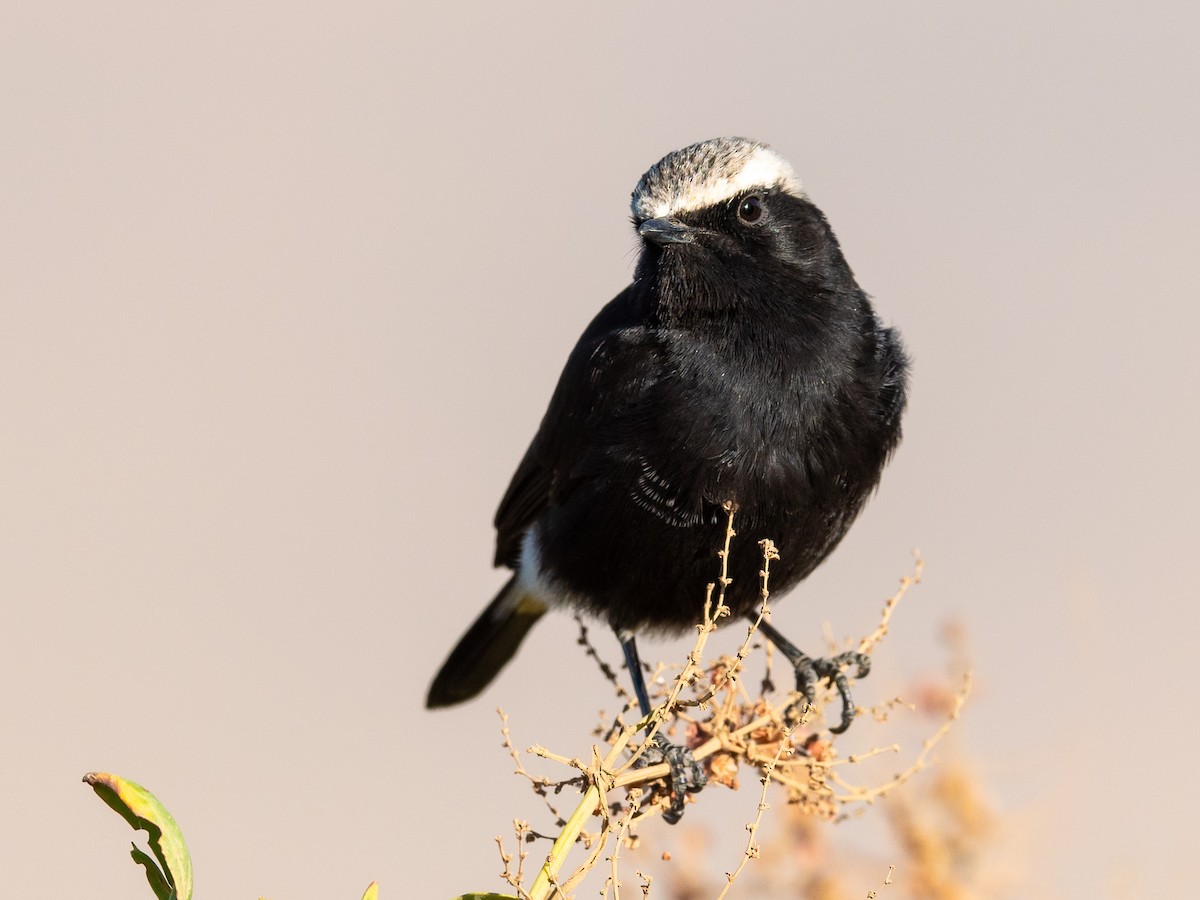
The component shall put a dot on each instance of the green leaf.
(154, 875)
(171, 877)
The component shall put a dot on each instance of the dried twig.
(738, 728)
(752, 849)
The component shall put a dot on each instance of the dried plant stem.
(539, 783)
(738, 728)
(515, 879)
(726, 741)
(752, 840)
(867, 644)
(886, 882)
(613, 880)
(869, 795)
(593, 797)
(600, 775)
(731, 674)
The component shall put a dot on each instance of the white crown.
(709, 173)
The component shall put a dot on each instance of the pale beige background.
(284, 288)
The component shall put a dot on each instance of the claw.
(810, 672)
(687, 775)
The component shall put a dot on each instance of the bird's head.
(726, 220)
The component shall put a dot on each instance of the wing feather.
(606, 374)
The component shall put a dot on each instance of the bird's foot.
(687, 775)
(811, 672)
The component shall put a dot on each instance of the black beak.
(666, 231)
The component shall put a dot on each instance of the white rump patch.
(532, 580)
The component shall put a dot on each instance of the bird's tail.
(488, 644)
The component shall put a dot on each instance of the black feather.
(487, 646)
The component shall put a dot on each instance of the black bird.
(744, 364)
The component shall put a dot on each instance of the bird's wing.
(606, 376)
(527, 495)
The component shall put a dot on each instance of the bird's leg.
(634, 664)
(687, 775)
(810, 671)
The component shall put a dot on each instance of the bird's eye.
(750, 209)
